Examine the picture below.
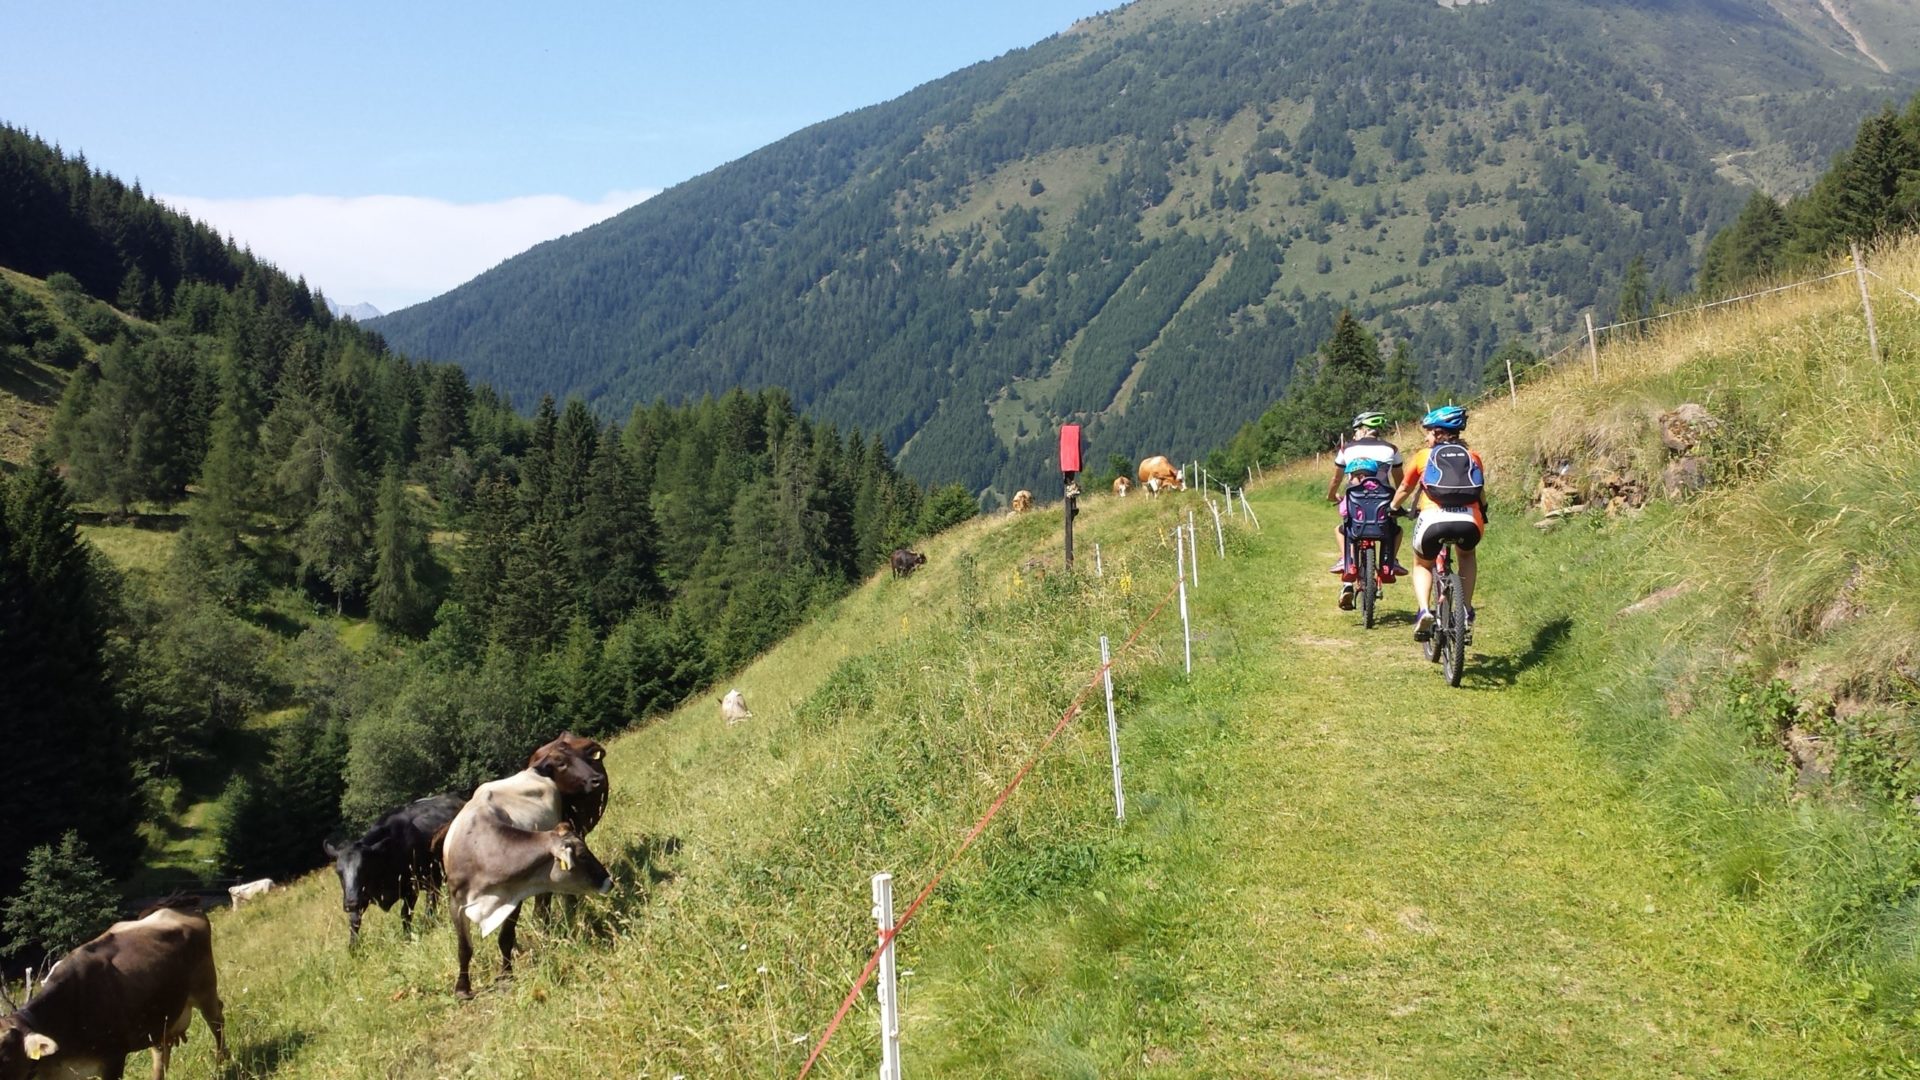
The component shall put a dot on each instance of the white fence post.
(887, 987)
(1099, 571)
(1251, 516)
(1180, 567)
(1113, 734)
(1219, 536)
(1193, 549)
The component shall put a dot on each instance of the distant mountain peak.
(357, 312)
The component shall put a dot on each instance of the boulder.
(1684, 476)
(1686, 427)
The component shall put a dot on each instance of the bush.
(65, 900)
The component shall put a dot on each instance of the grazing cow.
(534, 801)
(239, 894)
(394, 860)
(1121, 485)
(905, 562)
(1157, 474)
(494, 865)
(734, 707)
(579, 807)
(129, 989)
(1022, 501)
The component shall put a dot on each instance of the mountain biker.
(1367, 455)
(1458, 512)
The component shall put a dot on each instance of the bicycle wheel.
(1452, 631)
(1369, 582)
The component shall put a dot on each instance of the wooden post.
(1860, 275)
(1593, 347)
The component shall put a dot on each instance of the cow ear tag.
(39, 1046)
(564, 858)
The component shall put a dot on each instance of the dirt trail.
(1860, 43)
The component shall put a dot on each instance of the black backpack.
(1452, 478)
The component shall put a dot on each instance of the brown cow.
(1121, 485)
(492, 866)
(1158, 474)
(581, 809)
(1022, 501)
(131, 988)
(906, 562)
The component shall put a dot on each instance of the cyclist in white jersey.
(1366, 445)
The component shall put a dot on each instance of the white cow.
(734, 707)
(239, 894)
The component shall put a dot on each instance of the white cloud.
(394, 250)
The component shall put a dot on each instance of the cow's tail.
(437, 846)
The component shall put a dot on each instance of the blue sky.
(388, 152)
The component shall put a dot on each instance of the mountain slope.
(1146, 221)
(1595, 858)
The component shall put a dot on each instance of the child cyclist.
(1367, 456)
(1447, 482)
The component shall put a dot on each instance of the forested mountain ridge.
(355, 579)
(1144, 222)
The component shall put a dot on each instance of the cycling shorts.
(1436, 526)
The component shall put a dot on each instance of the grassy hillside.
(1145, 222)
(1595, 858)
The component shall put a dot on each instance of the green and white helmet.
(1370, 421)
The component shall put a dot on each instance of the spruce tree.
(65, 900)
(58, 709)
(397, 598)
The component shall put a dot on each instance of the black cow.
(394, 860)
(905, 562)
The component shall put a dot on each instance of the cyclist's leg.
(1340, 539)
(1469, 568)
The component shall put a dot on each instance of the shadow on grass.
(637, 856)
(1500, 671)
(265, 1057)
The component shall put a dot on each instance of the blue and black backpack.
(1452, 478)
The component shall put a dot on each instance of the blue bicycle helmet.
(1363, 466)
(1446, 418)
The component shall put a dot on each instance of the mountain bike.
(1448, 644)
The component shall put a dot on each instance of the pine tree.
(443, 415)
(493, 528)
(227, 477)
(397, 598)
(1400, 387)
(612, 543)
(57, 704)
(1634, 297)
(576, 439)
(65, 900)
(334, 541)
(275, 823)
(536, 465)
